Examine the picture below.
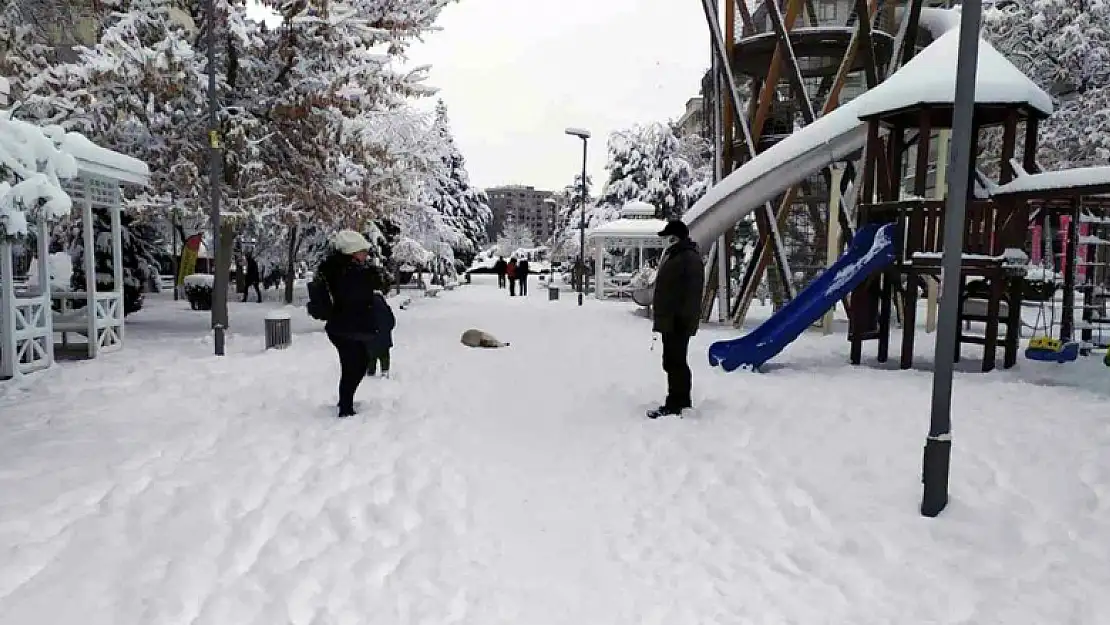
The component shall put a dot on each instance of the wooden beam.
(870, 67)
(764, 217)
(794, 73)
(747, 23)
(770, 85)
(909, 40)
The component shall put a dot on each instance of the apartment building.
(522, 205)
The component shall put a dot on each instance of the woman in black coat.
(349, 282)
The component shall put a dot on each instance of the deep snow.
(524, 486)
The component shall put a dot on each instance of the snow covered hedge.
(31, 167)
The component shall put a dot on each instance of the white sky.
(516, 73)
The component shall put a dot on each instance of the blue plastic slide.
(871, 249)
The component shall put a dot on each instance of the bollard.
(279, 333)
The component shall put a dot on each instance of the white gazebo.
(637, 228)
(57, 170)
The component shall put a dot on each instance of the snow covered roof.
(638, 209)
(93, 159)
(640, 231)
(930, 78)
(1066, 182)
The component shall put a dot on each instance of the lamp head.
(581, 133)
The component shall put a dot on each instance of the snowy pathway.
(523, 486)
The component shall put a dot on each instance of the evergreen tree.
(651, 164)
(1064, 47)
(140, 267)
(464, 210)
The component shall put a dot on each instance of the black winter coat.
(351, 285)
(522, 269)
(676, 304)
(385, 322)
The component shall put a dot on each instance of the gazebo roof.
(628, 232)
(93, 159)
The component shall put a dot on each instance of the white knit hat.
(349, 242)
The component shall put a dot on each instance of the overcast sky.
(516, 73)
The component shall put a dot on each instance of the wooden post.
(939, 186)
(44, 288)
(89, 241)
(832, 236)
(8, 366)
(117, 270)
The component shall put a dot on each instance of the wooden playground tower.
(798, 59)
(790, 68)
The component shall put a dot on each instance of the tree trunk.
(227, 246)
(290, 263)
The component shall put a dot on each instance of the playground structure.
(902, 123)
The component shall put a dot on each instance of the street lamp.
(219, 289)
(584, 135)
(938, 445)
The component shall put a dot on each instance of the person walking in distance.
(342, 294)
(522, 270)
(254, 278)
(499, 268)
(676, 312)
(510, 271)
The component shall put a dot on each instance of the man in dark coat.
(500, 267)
(254, 278)
(676, 311)
(522, 270)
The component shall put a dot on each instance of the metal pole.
(582, 225)
(219, 288)
(175, 258)
(938, 445)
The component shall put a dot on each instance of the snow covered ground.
(523, 486)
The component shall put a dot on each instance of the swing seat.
(1047, 349)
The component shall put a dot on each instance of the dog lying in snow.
(478, 338)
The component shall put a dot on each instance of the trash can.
(552, 293)
(468, 277)
(279, 333)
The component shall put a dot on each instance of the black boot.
(665, 411)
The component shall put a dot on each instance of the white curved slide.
(804, 152)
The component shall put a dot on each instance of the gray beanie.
(349, 242)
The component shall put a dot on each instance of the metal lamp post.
(219, 288)
(938, 445)
(584, 135)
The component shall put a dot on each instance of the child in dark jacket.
(382, 341)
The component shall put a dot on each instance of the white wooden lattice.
(109, 321)
(104, 193)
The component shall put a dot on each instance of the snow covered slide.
(800, 155)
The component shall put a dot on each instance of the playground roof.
(930, 79)
(1065, 183)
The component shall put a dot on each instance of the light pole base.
(934, 475)
(218, 339)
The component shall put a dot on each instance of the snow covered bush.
(31, 169)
